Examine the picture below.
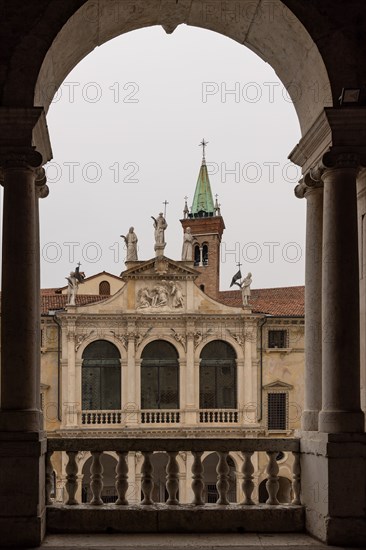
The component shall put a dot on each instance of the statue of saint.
(73, 281)
(245, 288)
(131, 244)
(160, 226)
(187, 249)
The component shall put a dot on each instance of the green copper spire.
(203, 204)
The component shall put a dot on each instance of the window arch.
(101, 376)
(159, 376)
(218, 376)
(104, 288)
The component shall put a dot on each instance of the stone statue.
(245, 288)
(73, 281)
(131, 244)
(160, 226)
(177, 294)
(187, 249)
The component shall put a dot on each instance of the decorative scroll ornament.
(79, 339)
(121, 337)
(179, 338)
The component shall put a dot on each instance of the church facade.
(160, 351)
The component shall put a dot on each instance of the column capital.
(25, 128)
(337, 139)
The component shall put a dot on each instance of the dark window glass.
(101, 377)
(277, 411)
(218, 376)
(159, 376)
(196, 255)
(205, 254)
(277, 339)
(104, 288)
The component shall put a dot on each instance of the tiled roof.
(283, 301)
(51, 302)
(271, 301)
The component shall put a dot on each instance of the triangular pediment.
(160, 267)
(277, 385)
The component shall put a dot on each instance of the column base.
(333, 486)
(309, 420)
(341, 421)
(22, 489)
(26, 420)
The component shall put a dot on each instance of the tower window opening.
(205, 254)
(196, 255)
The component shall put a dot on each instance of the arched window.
(159, 376)
(104, 288)
(196, 255)
(101, 377)
(205, 254)
(218, 376)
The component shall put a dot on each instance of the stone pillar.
(133, 379)
(313, 192)
(191, 405)
(361, 203)
(341, 410)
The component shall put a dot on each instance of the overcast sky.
(125, 128)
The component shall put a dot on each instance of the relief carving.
(165, 293)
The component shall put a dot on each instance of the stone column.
(191, 405)
(341, 410)
(134, 398)
(361, 203)
(21, 427)
(313, 192)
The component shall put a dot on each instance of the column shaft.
(20, 302)
(340, 305)
(313, 310)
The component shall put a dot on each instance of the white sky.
(132, 114)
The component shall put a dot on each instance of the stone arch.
(101, 336)
(228, 339)
(264, 28)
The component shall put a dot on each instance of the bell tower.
(207, 226)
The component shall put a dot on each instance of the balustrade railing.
(172, 446)
(219, 416)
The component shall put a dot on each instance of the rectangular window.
(277, 338)
(277, 411)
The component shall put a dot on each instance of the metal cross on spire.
(203, 144)
(165, 204)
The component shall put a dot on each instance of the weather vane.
(203, 144)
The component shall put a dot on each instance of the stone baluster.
(272, 484)
(172, 479)
(197, 479)
(96, 478)
(248, 483)
(71, 478)
(147, 483)
(122, 478)
(296, 483)
(222, 478)
(49, 474)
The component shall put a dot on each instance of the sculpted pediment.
(158, 268)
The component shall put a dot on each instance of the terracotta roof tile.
(283, 301)
(51, 302)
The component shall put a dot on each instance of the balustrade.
(122, 446)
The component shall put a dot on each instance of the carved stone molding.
(179, 338)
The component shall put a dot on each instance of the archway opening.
(101, 377)
(218, 376)
(159, 376)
